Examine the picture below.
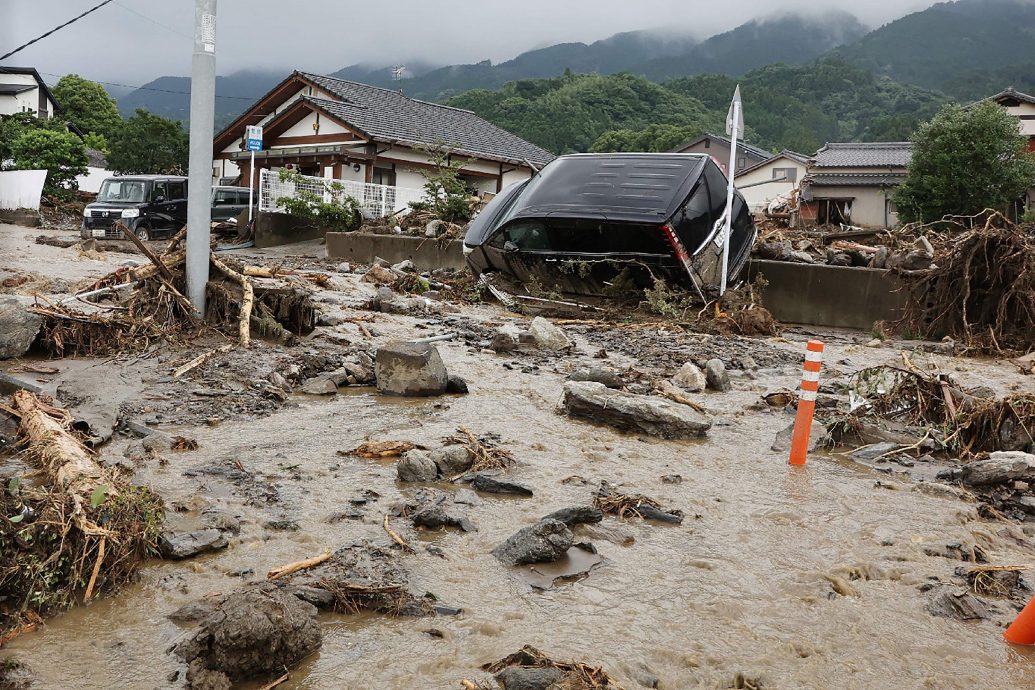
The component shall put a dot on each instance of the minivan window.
(176, 191)
(130, 191)
(693, 221)
(159, 191)
(717, 188)
(225, 197)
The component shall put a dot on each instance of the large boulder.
(18, 326)
(254, 631)
(818, 436)
(416, 466)
(179, 545)
(545, 541)
(548, 336)
(690, 378)
(630, 412)
(529, 678)
(999, 468)
(716, 375)
(410, 369)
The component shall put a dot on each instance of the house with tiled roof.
(342, 130)
(852, 183)
(763, 183)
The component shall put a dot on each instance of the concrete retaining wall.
(425, 253)
(275, 229)
(21, 188)
(821, 295)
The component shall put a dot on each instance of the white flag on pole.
(735, 125)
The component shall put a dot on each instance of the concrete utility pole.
(199, 183)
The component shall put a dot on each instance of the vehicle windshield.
(127, 191)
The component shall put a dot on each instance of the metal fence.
(375, 200)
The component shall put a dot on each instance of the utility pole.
(199, 182)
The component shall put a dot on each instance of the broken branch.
(396, 538)
(304, 564)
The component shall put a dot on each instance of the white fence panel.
(21, 188)
(375, 200)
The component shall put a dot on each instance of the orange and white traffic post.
(1022, 630)
(806, 402)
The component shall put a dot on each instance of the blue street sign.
(253, 138)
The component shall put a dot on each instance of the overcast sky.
(134, 41)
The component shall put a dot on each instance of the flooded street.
(745, 587)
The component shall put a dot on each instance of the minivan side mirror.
(159, 199)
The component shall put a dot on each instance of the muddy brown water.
(739, 587)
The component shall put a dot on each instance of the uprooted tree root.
(390, 599)
(577, 675)
(981, 292)
(88, 530)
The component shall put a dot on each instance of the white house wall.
(91, 181)
(1028, 110)
(766, 189)
(515, 176)
(21, 188)
(304, 128)
(868, 205)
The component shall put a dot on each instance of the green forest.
(797, 107)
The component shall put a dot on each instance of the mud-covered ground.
(751, 584)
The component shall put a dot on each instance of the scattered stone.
(254, 631)
(319, 386)
(18, 326)
(545, 541)
(410, 369)
(452, 460)
(416, 466)
(608, 377)
(404, 266)
(962, 606)
(14, 675)
(436, 517)
(519, 678)
(817, 437)
(716, 376)
(381, 275)
(690, 378)
(872, 452)
(548, 336)
(800, 256)
(343, 267)
(434, 228)
(578, 515)
(631, 412)
(457, 385)
(671, 479)
(486, 484)
(505, 338)
(1000, 467)
(179, 545)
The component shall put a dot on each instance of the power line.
(151, 88)
(56, 28)
(154, 21)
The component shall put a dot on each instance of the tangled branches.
(981, 292)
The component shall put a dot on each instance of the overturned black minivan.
(587, 219)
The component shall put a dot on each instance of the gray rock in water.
(548, 336)
(436, 517)
(608, 377)
(817, 436)
(528, 678)
(872, 452)
(547, 540)
(457, 385)
(18, 327)
(1000, 467)
(577, 515)
(178, 545)
(690, 378)
(485, 483)
(717, 377)
(410, 369)
(962, 606)
(505, 339)
(254, 631)
(416, 466)
(319, 386)
(630, 412)
(452, 460)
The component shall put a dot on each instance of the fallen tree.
(85, 528)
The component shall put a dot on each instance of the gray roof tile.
(887, 154)
(388, 116)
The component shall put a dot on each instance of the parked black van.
(152, 206)
(586, 219)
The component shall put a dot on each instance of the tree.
(965, 159)
(87, 105)
(148, 143)
(13, 126)
(61, 154)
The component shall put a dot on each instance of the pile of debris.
(134, 307)
(531, 668)
(423, 222)
(85, 528)
(908, 248)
